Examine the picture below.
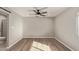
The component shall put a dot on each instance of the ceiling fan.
(40, 11)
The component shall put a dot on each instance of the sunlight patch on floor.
(36, 46)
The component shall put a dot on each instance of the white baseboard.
(64, 44)
(13, 43)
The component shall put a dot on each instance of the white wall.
(15, 28)
(65, 28)
(38, 27)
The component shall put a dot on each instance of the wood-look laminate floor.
(39, 44)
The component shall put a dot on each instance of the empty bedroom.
(39, 28)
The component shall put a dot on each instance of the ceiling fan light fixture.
(39, 11)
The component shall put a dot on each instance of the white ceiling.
(27, 11)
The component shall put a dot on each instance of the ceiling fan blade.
(42, 15)
(35, 11)
(43, 12)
